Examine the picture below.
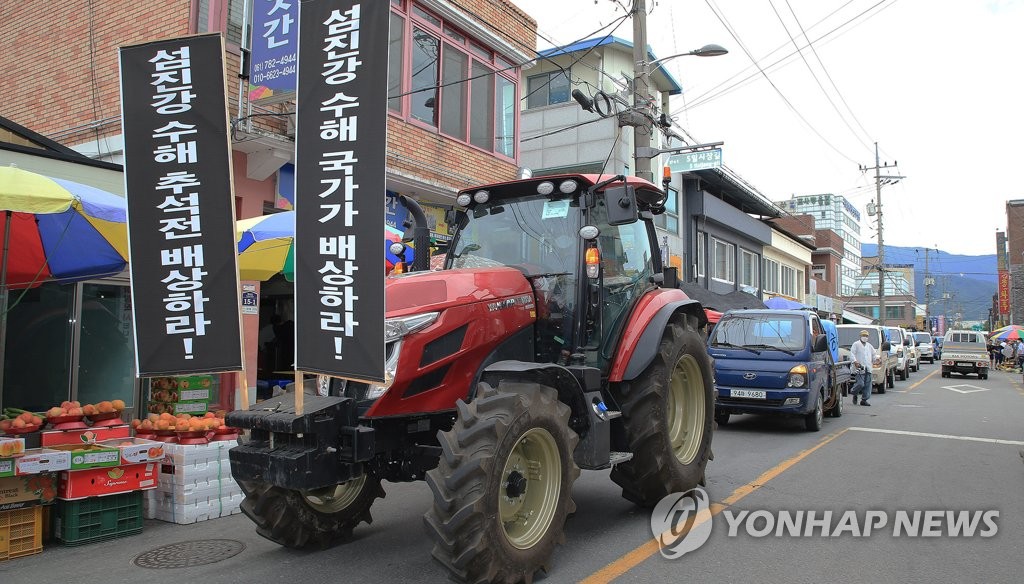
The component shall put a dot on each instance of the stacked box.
(182, 395)
(21, 533)
(195, 484)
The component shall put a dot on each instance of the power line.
(811, 69)
(772, 83)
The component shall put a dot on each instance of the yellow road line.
(638, 555)
(920, 381)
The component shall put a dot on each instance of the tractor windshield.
(536, 235)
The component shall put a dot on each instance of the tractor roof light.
(545, 188)
(464, 199)
(481, 197)
(589, 232)
(567, 187)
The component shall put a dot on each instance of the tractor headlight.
(396, 328)
(464, 199)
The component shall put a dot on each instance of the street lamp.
(711, 50)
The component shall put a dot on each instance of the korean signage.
(688, 161)
(273, 61)
(181, 234)
(341, 138)
(1004, 292)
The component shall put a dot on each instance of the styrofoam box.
(183, 474)
(194, 512)
(195, 492)
(185, 454)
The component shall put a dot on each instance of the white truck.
(964, 352)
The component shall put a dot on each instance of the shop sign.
(1004, 292)
(184, 273)
(339, 268)
(272, 61)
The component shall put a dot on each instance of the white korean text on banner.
(341, 138)
(181, 233)
(275, 49)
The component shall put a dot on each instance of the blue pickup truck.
(777, 362)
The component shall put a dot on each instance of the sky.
(938, 84)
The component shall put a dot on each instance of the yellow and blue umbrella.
(58, 230)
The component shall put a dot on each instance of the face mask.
(863, 339)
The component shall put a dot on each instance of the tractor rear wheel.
(317, 518)
(503, 486)
(668, 412)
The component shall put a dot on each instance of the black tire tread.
(283, 516)
(467, 538)
(654, 472)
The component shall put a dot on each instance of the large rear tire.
(668, 411)
(503, 486)
(310, 519)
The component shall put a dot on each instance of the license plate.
(748, 393)
(962, 364)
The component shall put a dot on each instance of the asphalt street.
(930, 444)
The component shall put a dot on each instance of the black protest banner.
(341, 139)
(181, 234)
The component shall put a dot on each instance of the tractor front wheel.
(668, 412)
(317, 518)
(503, 486)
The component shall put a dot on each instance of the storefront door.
(69, 342)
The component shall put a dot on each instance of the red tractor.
(553, 340)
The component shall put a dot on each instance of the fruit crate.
(21, 532)
(98, 518)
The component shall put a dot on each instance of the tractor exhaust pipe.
(420, 234)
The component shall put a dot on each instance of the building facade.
(1015, 256)
(835, 213)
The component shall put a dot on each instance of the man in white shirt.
(863, 357)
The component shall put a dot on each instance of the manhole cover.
(186, 554)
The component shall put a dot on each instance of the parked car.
(775, 362)
(913, 351)
(926, 346)
(883, 371)
(897, 339)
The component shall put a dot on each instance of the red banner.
(1004, 292)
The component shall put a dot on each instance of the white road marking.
(908, 406)
(946, 436)
(974, 388)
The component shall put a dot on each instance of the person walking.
(1008, 354)
(863, 354)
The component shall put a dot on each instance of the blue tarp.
(832, 333)
(780, 303)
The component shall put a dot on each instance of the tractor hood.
(419, 292)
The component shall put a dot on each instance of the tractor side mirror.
(621, 203)
(671, 277)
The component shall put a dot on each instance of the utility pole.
(641, 91)
(928, 283)
(878, 211)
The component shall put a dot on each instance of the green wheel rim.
(530, 483)
(685, 409)
(337, 498)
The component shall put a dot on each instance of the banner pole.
(244, 387)
(299, 393)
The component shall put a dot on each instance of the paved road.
(921, 447)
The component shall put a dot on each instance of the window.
(224, 16)
(788, 281)
(669, 220)
(477, 103)
(700, 254)
(548, 89)
(771, 276)
(396, 58)
(748, 268)
(722, 261)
